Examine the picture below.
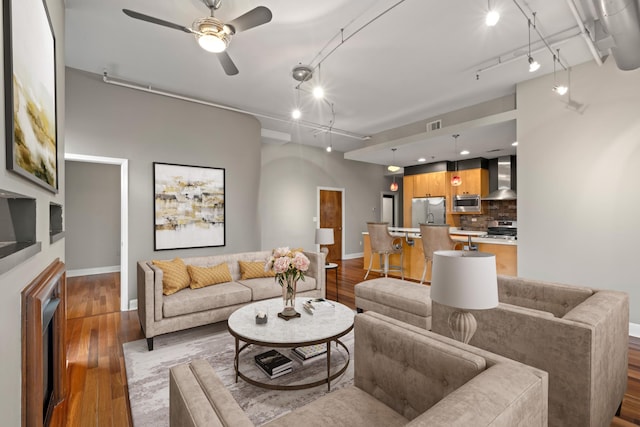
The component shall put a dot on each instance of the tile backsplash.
(493, 210)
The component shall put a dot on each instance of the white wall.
(578, 177)
(13, 281)
(290, 177)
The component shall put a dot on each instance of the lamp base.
(325, 251)
(462, 325)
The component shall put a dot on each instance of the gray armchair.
(403, 375)
(578, 335)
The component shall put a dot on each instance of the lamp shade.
(464, 279)
(324, 236)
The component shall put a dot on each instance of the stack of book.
(273, 363)
(309, 353)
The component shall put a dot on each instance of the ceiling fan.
(212, 34)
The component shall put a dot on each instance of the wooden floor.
(97, 329)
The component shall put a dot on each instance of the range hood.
(504, 191)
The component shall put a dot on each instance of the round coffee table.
(328, 323)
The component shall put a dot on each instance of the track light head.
(560, 89)
(492, 18)
(533, 64)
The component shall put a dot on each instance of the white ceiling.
(416, 61)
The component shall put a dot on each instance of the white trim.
(124, 217)
(92, 271)
(342, 191)
(354, 256)
(634, 330)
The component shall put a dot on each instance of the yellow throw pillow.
(206, 276)
(174, 275)
(253, 270)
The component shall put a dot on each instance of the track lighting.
(329, 149)
(318, 92)
(559, 89)
(492, 17)
(533, 64)
(296, 114)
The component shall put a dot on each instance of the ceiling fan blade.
(227, 63)
(153, 20)
(258, 16)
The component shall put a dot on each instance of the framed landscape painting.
(189, 209)
(30, 92)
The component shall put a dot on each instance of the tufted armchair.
(403, 376)
(578, 335)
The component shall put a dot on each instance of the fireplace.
(43, 345)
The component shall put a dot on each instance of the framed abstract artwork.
(30, 92)
(189, 206)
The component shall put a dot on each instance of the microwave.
(467, 203)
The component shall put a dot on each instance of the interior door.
(331, 217)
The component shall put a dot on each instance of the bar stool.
(384, 244)
(435, 238)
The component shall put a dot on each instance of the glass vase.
(289, 297)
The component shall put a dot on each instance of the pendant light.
(492, 17)
(559, 89)
(533, 64)
(456, 179)
(391, 168)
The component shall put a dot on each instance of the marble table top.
(329, 320)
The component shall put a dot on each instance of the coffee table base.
(269, 386)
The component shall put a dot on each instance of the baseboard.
(133, 304)
(634, 330)
(354, 256)
(92, 271)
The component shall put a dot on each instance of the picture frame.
(30, 92)
(189, 206)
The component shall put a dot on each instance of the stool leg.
(370, 264)
(386, 265)
(424, 271)
(402, 265)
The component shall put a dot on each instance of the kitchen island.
(505, 251)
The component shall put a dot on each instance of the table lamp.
(464, 280)
(324, 236)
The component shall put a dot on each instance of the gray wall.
(92, 212)
(578, 175)
(291, 175)
(111, 121)
(13, 281)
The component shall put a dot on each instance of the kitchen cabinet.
(429, 184)
(474, 181)
(407, 195)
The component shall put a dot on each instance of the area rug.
(148, 374)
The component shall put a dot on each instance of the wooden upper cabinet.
(429, 184)
(407, 195)
(474, 181)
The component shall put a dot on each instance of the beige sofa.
(578, 335)
(403, 375)
(188, 308)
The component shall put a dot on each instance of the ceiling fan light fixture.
(213, 35)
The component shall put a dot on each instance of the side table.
(334, 266)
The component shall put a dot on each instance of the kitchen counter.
(413, 260)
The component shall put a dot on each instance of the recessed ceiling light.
(464, 152)
(515, 143)
(422, 159)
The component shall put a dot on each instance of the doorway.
(124, 219)
(388, 210)
(331, 215)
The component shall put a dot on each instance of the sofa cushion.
(544, 296)
(174, 275)
(398, 294)
(254, 270)
(189, 300)
(337, 409)
(207, 276)
(264, 288)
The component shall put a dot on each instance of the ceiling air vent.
(434, 125)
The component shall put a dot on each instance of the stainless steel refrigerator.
(428, 210)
